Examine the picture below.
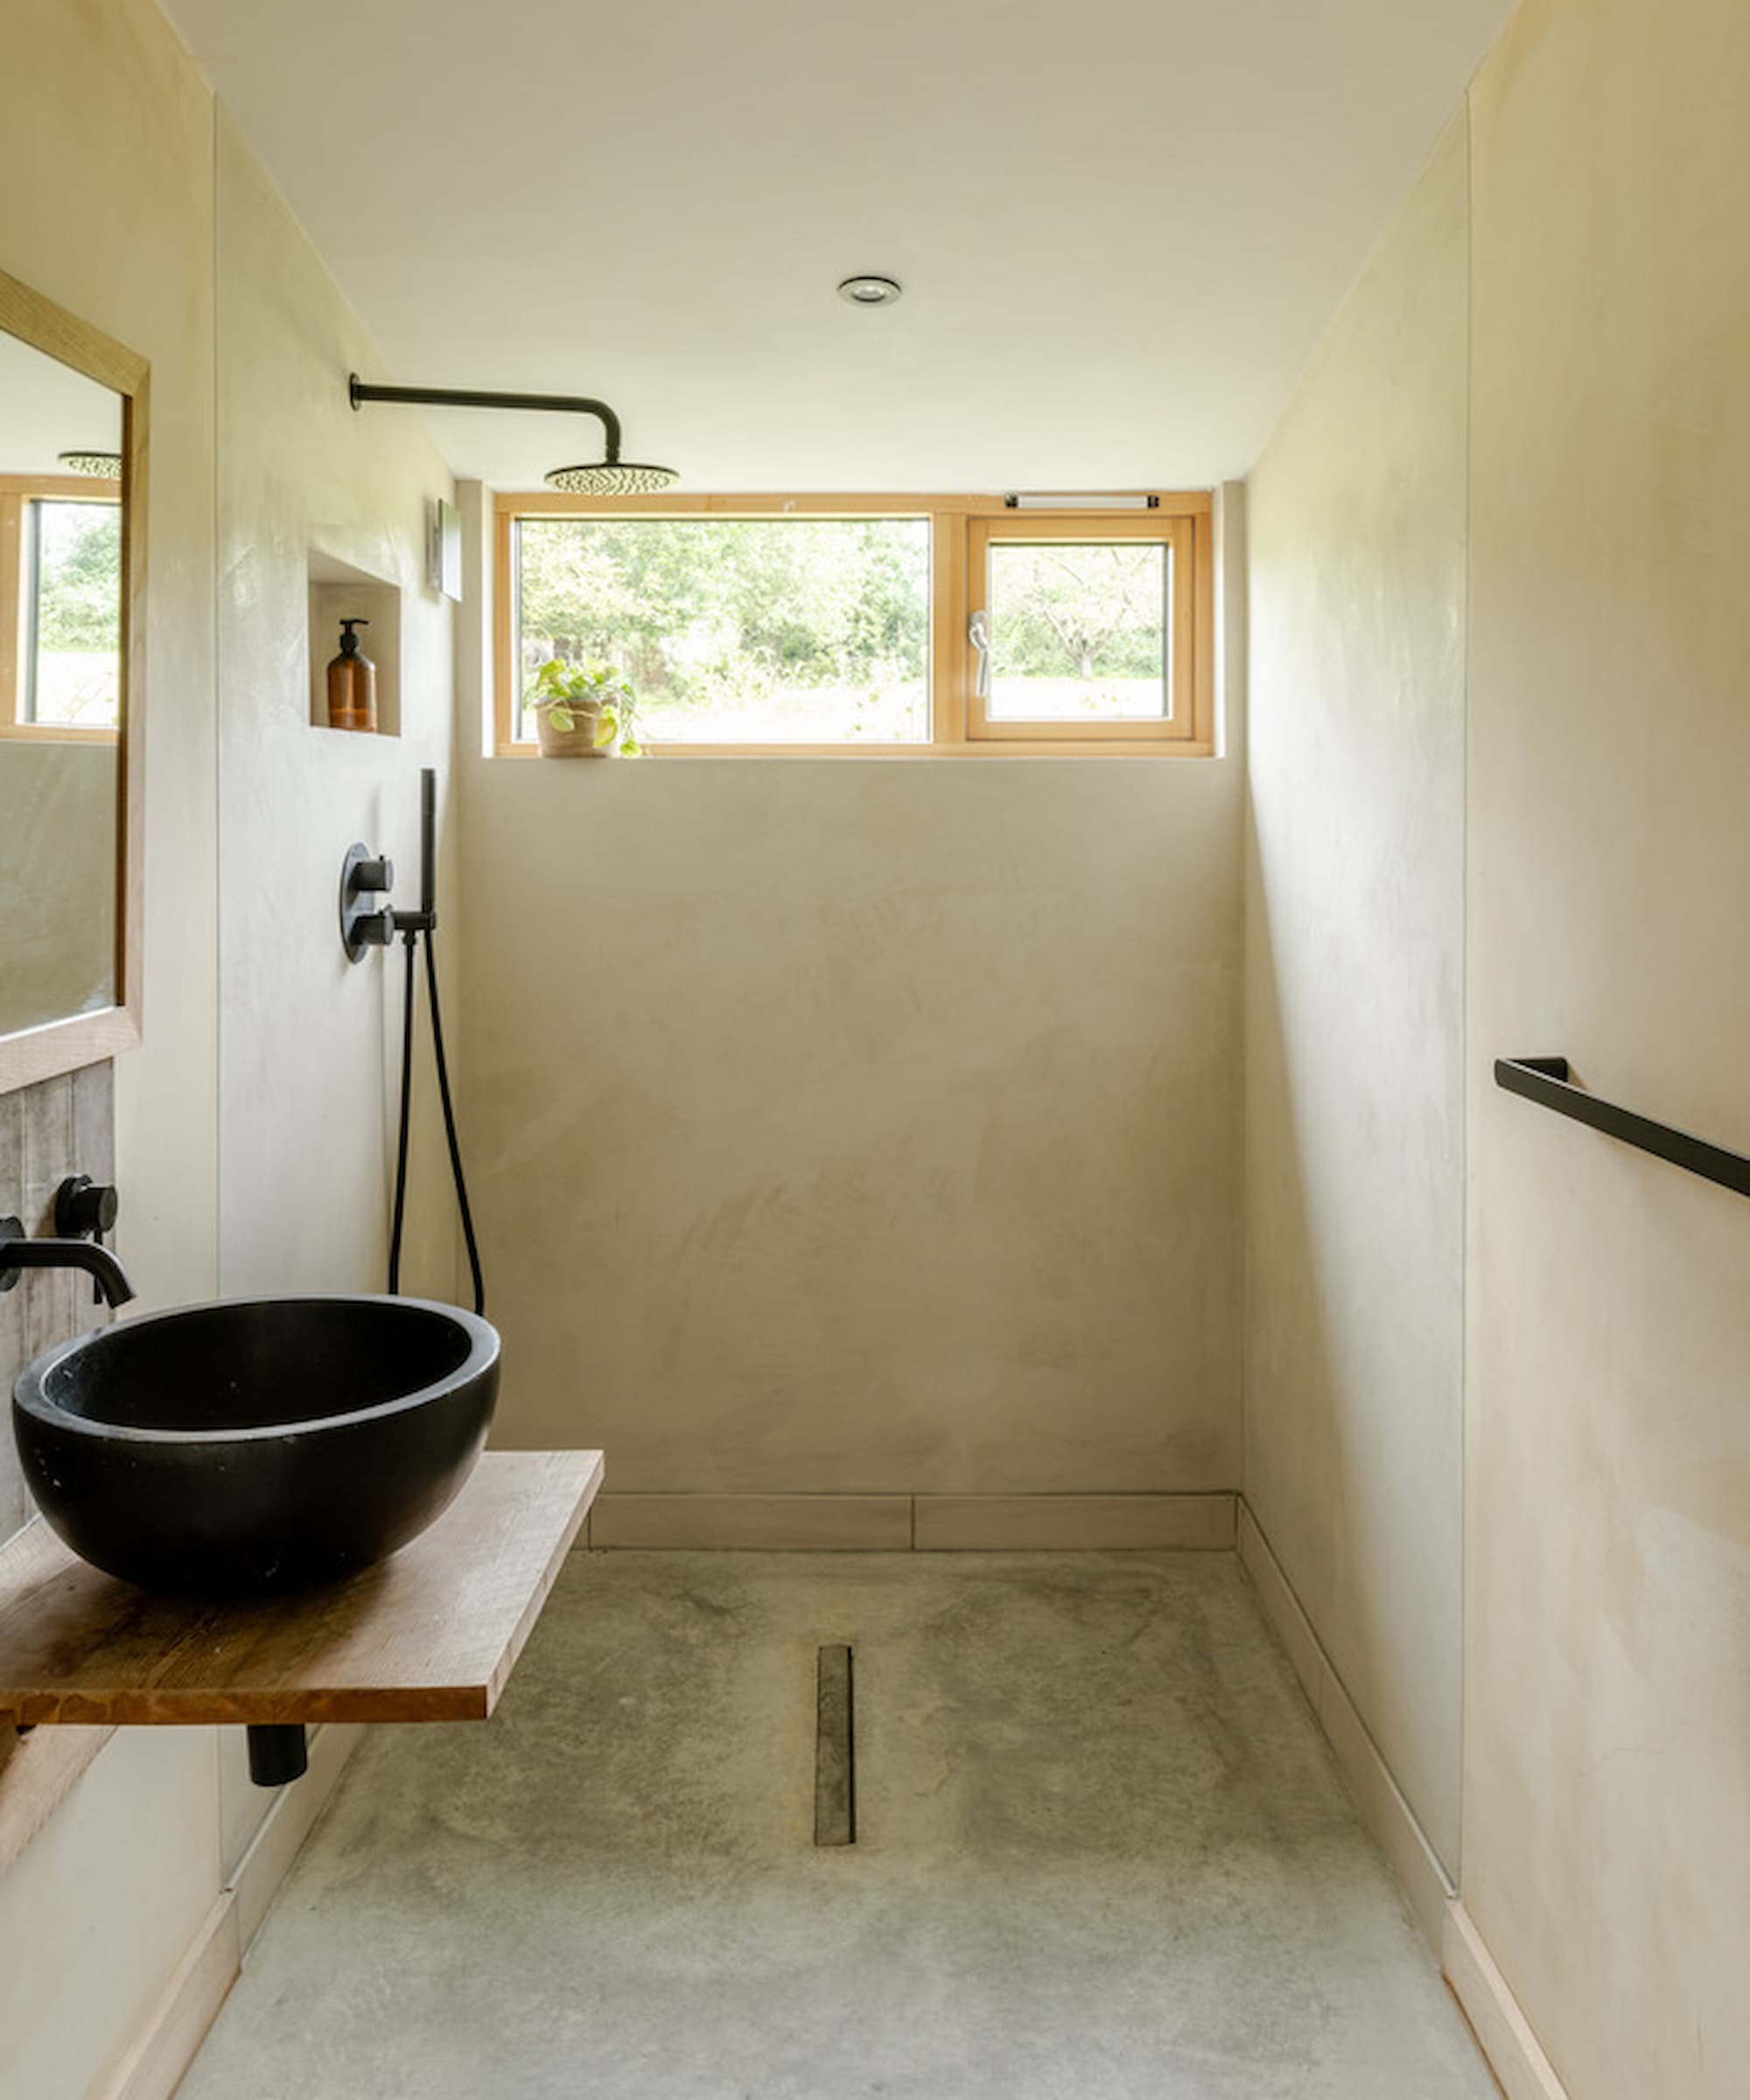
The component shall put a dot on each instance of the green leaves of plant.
(560, 687)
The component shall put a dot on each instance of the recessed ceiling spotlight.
(869, 292)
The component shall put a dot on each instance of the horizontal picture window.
(831, 625)
(737, 630)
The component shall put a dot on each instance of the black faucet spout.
(17, 1254)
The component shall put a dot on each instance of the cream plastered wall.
(96, 1912)
(1354, 1008)
(114, 218)
(1608, 1700)
(311, 1046)
(861, 1125)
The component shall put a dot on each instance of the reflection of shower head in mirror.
(105, 466)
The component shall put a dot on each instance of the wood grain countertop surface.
(429, 1635)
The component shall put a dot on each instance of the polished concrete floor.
(1102, 1854)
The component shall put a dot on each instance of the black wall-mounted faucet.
(17, 1253)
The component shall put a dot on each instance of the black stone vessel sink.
(256, 1443)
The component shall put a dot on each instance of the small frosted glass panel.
(74, 605)
(1079, 631)
(737, 630)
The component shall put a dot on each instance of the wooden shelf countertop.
(429, 1635)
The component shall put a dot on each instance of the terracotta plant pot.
(579, 741)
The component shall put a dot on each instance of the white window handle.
(978, 634)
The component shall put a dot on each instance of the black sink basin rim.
(256, 1443)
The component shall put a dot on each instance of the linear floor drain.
(834, 1753)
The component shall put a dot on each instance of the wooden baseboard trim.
(1514, 2054)
(37, 1771)
(1387, 1816)
(157, 2060)
(154, 2064)
(287, 1823)
(897, 1523)
(998, 1524)
(772, 1523)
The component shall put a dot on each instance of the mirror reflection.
(60, 688)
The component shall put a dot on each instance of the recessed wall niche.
(339, 591)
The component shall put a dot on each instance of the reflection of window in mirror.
(61, 607)
(70, 566)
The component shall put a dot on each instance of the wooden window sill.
(1009, 748)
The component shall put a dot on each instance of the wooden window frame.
(16, 491)
(961, 530)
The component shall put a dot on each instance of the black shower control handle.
(364, 876)
(85, 1208)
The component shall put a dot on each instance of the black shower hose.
(411, 939)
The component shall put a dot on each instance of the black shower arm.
(451, 398)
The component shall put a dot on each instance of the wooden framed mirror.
(73, 413)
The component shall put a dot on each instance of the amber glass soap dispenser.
(351, 684)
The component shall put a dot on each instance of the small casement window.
(60, 608)
(890, 625)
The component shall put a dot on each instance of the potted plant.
(583, 710)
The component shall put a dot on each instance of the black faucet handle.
(10, 1228)
(84, 1208)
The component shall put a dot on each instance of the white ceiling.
(1122, 225)
(47, 409)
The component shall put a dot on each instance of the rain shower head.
(611, 476)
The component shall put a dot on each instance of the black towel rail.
(1546, 1080)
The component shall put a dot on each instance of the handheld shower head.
(611, 478)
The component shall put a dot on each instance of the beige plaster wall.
(97, 1912)
(99, 1909)
(310, 1046)
(1354, 1009)
(1608, 1717)
(861, 1125)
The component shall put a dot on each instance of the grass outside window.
(891, 625)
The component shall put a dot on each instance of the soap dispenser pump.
(351, 684)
